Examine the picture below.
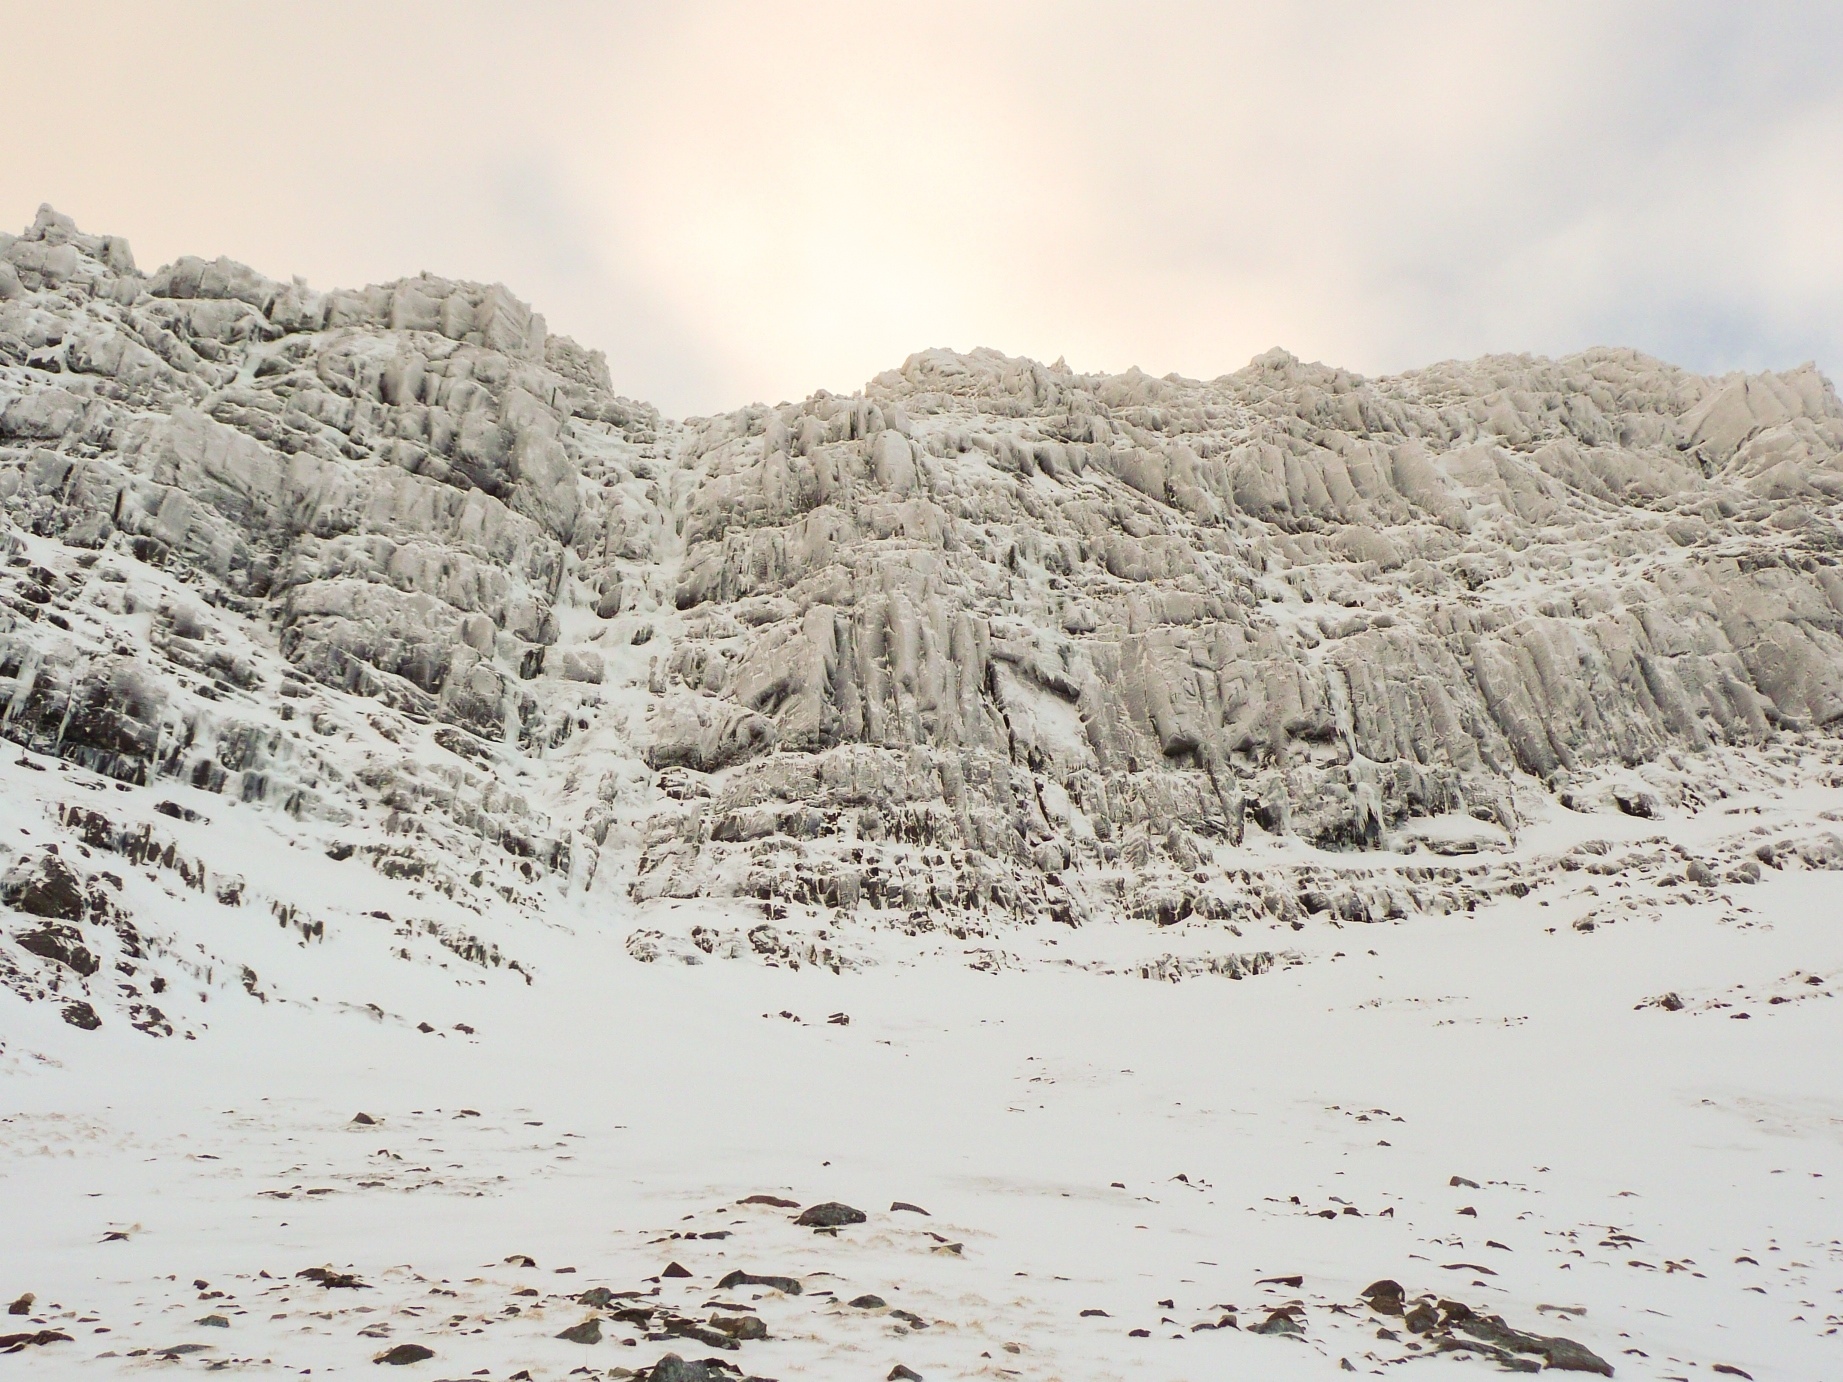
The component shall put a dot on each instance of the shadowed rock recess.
(991, 642)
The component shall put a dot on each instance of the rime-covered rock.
(986, 642)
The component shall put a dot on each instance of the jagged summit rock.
(988, 641)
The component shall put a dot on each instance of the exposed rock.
(1282, 1321)
(1384, 1297)
(686, 1328)
(61, 944)
(740, 1327)
(332, 1279)
(44, 887)
(672, 1368)
(784, 1284)
(831, 1214)
(1638, 802)
(1564, 1355)
(15, 1343)
(402, 1354)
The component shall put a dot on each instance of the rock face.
(988, 642)
(1043, 624)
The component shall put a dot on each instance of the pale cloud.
(753, 201)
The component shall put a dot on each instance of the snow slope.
(1658, 1185)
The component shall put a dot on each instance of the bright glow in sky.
(752, 201)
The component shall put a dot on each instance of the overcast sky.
(753, 201)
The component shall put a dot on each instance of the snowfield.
(1656, 1184)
